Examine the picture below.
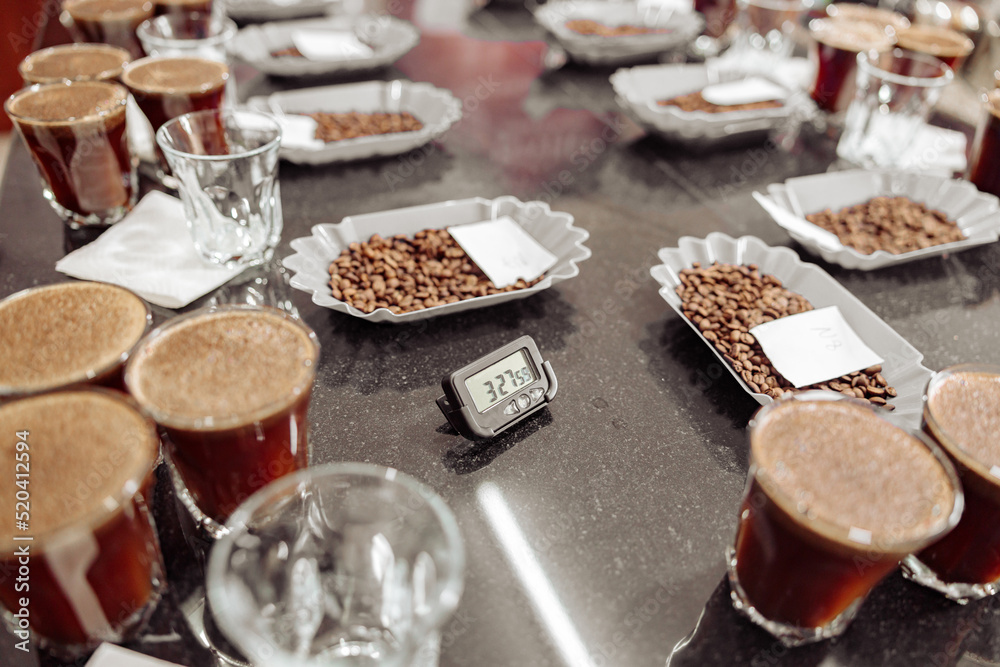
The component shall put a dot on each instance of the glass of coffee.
(895, 94)
(984, 168)
(76, 520)
(340, 564)
(61, 335)
(767, 25)
(226, 164)
(107, 21)
(887, 21)
(165, 88)
(834, 52)
(74, 62)
(195, 34)
(182, 7)
(836, 497)
(962, 413)
(950, 46)
(76, 134)
(230, 387)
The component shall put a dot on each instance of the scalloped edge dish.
(553, 229)
(435, 107)
(391, 39)
(682, 23)
(638, 89)
(977, 213)
(903, 366)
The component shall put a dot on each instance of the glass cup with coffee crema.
(61, 335)
(962, 413)
(75, 519)
(165, 88)
(984, 168)
(836, 497)
(949, 46)
(834, 53)
(182, 7)
(230, 387)
(74, 62)
(107, 21)
(76, 134)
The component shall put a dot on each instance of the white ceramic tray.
(276, 10)
(389, 37)
(977, 213)
(902, 365)
(681, 24)
(436, 108)
(553, 229)
(638, 89)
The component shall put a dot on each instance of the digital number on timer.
(499, 380)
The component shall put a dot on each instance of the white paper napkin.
(151, 253)
(936, 149)
(109, 655)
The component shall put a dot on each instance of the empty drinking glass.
(226, 165)
(344, 564)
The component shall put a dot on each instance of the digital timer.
(498, 390)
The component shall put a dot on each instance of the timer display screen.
(498, 381)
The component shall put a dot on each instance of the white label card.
(330, 45)
(744, 91)
(109, 655)
(503, 250)
(814, 346)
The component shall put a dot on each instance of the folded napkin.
(936, 149)
(151, 253)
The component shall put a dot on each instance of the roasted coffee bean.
(404, 275)
(338, 126)
(893, 224)
(592, 27)
(727, 301)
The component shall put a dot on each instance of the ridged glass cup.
(810, 544)
(965, 564)
(339, 565)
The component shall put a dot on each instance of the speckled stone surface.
(626, 488)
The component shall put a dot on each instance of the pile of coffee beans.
(337, 126)
(893, 224)
(404, 275)
(695, 102)
(591, 27)
(727, 300)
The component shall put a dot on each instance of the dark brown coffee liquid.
(837, 44)
(110, 21)
(167, 88)
(985, 172)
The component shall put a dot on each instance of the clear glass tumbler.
(194, 34)
(895, 94)
(766, 26)
(344, 564)
(226, 165)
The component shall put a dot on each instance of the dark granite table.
(626, 487)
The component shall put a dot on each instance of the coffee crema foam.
(74, 63)
(226, 365)
(839, 463)
(935, 41)
(85, 447)
(850, 35)
(175, 75)
(107, 10)
(966, 408)
(55, 335)
(68, 103)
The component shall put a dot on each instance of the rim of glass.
(858, 12)
(236, 525)
(8, 391)
(827, 29)
(867, 60)
(836, 532)
(133, 485)
(208, 422)
(940, 433)
(962, 44)
(778, 5)
(118, 107)
(147, 60)
(227, 28)
(103, 75)
(273, 144)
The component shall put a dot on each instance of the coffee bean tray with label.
(433, 279)
(794, 286)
